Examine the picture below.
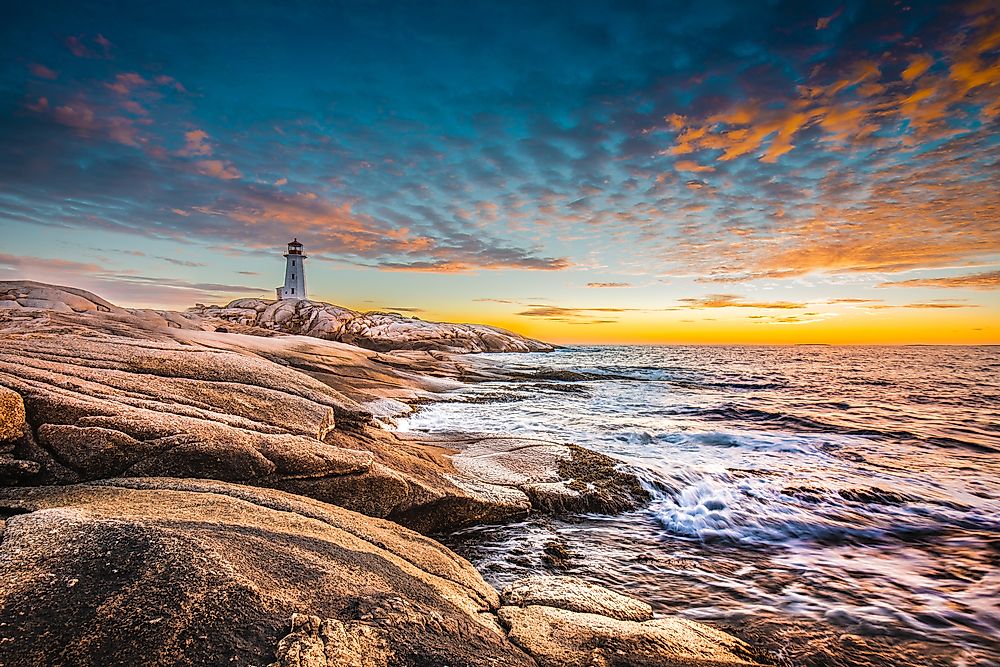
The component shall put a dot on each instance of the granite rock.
(575, 594)
(189, 572)
(561, 638)
(382, 331)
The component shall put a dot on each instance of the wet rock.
(188, 572)
(575, 594)
(561, 638)
(601, 485)
(556, 554)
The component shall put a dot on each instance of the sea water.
(832, 505)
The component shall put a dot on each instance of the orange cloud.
(857, 102)
(691, 165)
(736, 301)
(195, 143)
(919, 64)
(989, 280)
(218, 169)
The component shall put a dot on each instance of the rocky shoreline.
(172, 493)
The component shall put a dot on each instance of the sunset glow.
(801, 173)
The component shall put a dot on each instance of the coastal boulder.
(561, 638)
(185, 572)
(575, 594)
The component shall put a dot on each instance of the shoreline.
(155, 427)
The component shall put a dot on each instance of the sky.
(581, 172)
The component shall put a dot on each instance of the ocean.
(832, 505)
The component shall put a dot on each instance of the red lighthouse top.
(294, 247)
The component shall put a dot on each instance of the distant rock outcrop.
(374, 331)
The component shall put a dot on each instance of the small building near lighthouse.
(295, 273)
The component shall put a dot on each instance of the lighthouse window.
(293, 290)
(293, 262)
(293, 276)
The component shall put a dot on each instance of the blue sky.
(582, 171)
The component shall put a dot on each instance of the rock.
(333, 643)
(17, 471)
(556, 554)
(575, 594)
(374, 330)
(29, 294)
(187, 572)
(12, 423)
(125, 394)
(562, 638)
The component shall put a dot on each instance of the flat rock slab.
(575, 594)
(561, 638)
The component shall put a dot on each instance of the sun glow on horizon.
(796, 173)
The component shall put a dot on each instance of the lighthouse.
(295, 273)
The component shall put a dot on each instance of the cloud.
(988, 280)
(195, 143)
(98, 47)
(847, 105)
(608, 285)
(736, 301)
(940, 305)
(506, 260)
(919, 63)
(823, 22)
(42, 72)
(730, 145)
(853, 300)
(570, 315)
(222, 288)
(180, 262)
(218, 169)
(125, 83)
(23, 262)
(402, 309)
(692, 166)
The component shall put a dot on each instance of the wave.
(724, 507)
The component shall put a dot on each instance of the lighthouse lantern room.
(295, 273)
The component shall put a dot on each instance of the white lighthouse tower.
(295, 273)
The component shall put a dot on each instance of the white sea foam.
(854, 487)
